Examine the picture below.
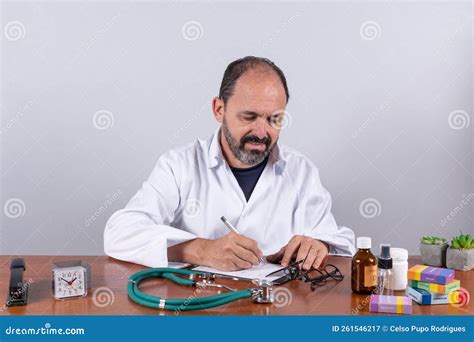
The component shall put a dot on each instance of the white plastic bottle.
(399, 269)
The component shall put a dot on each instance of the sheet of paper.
(173, 264)
(256, 272)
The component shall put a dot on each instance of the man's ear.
(218, 108)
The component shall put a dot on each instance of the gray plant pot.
(460, 259)
(434, 255)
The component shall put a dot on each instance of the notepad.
(260, 271)
(174, 264)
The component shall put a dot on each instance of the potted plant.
(460, 255)
(433, 250)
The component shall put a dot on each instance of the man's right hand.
(231, 252)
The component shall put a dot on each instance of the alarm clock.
(71, 279)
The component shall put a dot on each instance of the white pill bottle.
(400, 269)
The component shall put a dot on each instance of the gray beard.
(248, 158)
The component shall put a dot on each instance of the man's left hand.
(312, 251)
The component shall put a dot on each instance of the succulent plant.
(433, 240)
(462, 242)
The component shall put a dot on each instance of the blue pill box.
(424, 297)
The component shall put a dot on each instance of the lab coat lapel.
(232, 181)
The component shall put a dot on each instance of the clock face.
(69, 282)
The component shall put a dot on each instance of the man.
(270, 193)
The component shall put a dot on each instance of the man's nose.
(260, 129)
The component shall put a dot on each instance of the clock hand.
(65, 281)
(72, 281)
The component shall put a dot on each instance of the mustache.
(254, 139)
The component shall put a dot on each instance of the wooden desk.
(111, 275)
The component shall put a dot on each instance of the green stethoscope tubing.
(180, 304)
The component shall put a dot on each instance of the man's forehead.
(260, 85)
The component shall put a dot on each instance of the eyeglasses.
(319, 277)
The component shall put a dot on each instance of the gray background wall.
(93, 92)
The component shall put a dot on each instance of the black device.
(291, 272)
(18, 290)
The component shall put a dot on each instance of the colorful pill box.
(437, 288)
(431, 274)
(391, 304)
(424, 297)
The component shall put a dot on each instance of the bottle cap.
(399, 254)
(364, 242)
(385, 260)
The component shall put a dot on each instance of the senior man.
(270, 193)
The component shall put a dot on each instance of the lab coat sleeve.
(319, 221)
(140, 233)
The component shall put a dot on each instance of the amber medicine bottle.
(364, 267)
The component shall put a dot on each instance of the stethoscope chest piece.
(263, 294)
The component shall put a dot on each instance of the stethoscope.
(262, 293)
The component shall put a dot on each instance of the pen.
(229, 225)
(233, 229)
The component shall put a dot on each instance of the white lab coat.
(191, 187)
